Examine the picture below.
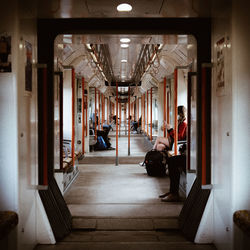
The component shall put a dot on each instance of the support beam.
(147, 113)
(129, 120)
(45, 130)
(83, 118)
(151, 114)
(116, 162)
(95, 114)
(176, 110)
(164, 104)
(73, 117)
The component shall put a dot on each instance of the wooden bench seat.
(8, 221)
(242, 220)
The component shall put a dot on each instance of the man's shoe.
(171, 198)
(142, 164)
(164, 195)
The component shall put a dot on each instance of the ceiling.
(107, 8)
(72, 50)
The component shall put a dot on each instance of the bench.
(242, 219)
(8, 221)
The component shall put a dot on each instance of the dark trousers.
(176, 164)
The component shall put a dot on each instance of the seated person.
(106, 126)
(176, 164)
(163, 143)
(135, 125)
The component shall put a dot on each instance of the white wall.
(67, 105)
(222, 130)
(241, 112)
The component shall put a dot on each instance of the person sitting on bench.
(163, 143)
(176, 165)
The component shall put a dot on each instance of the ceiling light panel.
(125, 40)
(124, 45)
(124, 7)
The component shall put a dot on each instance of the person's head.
(182, 113)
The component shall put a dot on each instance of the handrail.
(73, 116)
(45, 130)
(95, 115)
(83, 118)
(116, 162)
(151, 113)
(205, 126)
(164, 103)
(128, 120)
(147, 113)
(99, 110)
(176, 110)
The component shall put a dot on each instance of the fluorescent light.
(124, 7)
(124, 45)
(123, 76)
(125, 40)
(123, 60)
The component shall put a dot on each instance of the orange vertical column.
(120, 117)
(86, 113)
(176, 110)
(73, 117)
(45, 130)
(103, 110)
(108, 111)
(137, 110)
(116, 162)
(144, 114)
(147, 113)
(129, 120)
(168, 109)
(95, 115)
(99, 110)
(151, 114)
(164, 103)
(203, 129)
(83, 117)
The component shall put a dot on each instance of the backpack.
(155, 162)
(101, 144)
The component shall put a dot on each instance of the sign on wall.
(5, 53)
(28, 67)
(220, 67)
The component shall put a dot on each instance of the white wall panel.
(222, 127)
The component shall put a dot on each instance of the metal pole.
(128, 120)
(73, 117)
(147, 113)
(45, 130)
(168, 110)
(86, 120)
(176, 110)
(151, 113)
(116, 162)
(164, 103)
(95, 116)
(83, 118)
(120, 118)
(204, 128)
(103, 110)
(144, 113)
(99, 111)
